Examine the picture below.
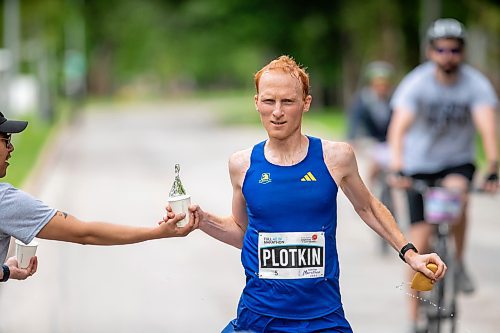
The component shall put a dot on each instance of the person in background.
(25, 217)
(437, 109)
(370, 114)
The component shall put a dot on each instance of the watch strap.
(6, 273)
(405, 249)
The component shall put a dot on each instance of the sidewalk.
(119, 167)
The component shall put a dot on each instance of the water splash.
(402, 286)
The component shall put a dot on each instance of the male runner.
(284, 215)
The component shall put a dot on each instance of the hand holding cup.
(24, 252)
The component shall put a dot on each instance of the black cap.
(11, 126)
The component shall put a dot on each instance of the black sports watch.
(405, 249)
(6, 273)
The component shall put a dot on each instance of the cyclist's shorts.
(251, 322)
(415, 200)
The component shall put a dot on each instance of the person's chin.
(451, 69)
(275, 130)
(279, 135)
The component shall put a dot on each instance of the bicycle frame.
(442, 208)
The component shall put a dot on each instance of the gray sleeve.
(406, 94)
(484, 93)
(22, 215)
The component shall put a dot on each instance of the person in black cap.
(25, 217)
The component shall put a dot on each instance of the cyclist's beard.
(449, 68)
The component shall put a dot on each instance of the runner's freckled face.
(281, 103)
(447, 54)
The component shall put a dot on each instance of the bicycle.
(441, 208)
(384, 194)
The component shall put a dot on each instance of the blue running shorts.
(251, 322)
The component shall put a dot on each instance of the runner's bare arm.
(343, 167)
(65, 227)
(341, 162)
(230, 229)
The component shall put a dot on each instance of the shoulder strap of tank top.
(257, 155)
(315, 147)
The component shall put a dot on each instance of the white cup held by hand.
(24, 252)
(180, 204)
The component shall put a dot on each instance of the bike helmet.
(379, 69)
(446, 28)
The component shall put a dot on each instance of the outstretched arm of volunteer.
(230, 229)
(343, 167)
(65, 227)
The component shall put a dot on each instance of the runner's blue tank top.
(290, 209)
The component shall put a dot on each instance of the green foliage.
(171, 45)
(331, 121)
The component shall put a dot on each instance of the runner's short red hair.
(286, 64)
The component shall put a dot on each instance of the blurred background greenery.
(85, 50)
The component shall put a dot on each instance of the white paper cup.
(24, 252)
(181, 204)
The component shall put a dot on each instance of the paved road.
(118, 167)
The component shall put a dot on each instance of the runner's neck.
(286, 152)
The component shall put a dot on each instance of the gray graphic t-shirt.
(21, 216)
(442, 134)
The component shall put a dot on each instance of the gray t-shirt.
(21, 216)
(442, 134)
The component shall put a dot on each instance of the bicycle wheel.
(441, 313)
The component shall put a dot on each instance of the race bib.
(291, 255)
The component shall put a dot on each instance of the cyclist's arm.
(401, 120)
(484, 120)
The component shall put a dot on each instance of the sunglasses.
(453, 51)
(7, 141)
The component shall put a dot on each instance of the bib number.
(291, 255)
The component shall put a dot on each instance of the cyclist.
(437, 108)
(370, 114)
